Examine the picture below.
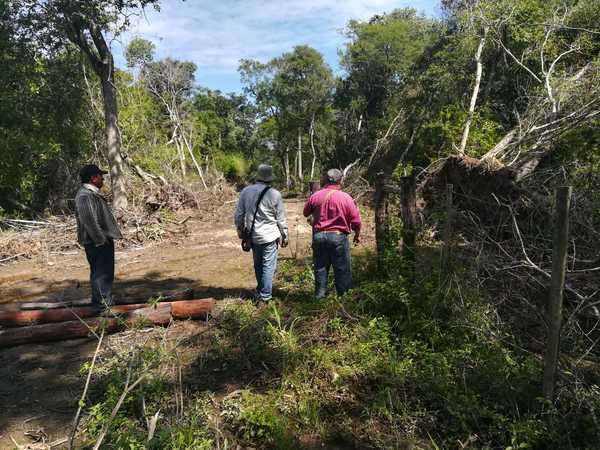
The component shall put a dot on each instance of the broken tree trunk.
(160, 314)
(24, 318)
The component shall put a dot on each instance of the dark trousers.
(331, 249)
(102, 271)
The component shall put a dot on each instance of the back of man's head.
(334, 176)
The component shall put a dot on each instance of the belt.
(331, 231)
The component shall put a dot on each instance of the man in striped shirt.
(97, 230)
(334, 215)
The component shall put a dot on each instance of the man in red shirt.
(334, 215)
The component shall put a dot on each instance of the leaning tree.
(87, 24)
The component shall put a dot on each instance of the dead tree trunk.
(312, 147)
(479, 71)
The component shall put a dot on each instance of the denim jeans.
(331, 249)
(265, 263)
(102, 271)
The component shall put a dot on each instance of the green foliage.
(139, 52)
(445, 131)
(293, 95)
(233, 166)
(395, 364)
(257, 419)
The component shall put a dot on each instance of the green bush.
(233, 166)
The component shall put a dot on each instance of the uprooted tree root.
(475, 181)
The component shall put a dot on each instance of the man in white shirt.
(268, 229)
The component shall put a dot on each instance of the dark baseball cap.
(90, 170)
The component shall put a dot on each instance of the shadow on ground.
(40, 384)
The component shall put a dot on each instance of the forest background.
(500, 98)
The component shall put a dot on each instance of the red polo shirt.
(333, 211)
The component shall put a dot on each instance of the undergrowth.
(399, 362)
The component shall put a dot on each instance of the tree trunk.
(300, 169)
(286, 164)
(479, 70)
(312, 147)
(189, 145)
(408, 214)
(104, 66)
(381, 221)
(113, 140)
(504, 143)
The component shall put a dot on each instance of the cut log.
(158, 315)
(54, 305)
(24, 318)
(185, 294)
(193, 309)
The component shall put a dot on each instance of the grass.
(393, 364)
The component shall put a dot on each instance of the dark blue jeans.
(331, 249)
(102, 271)
(265, 263)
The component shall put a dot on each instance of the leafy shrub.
(233, 166)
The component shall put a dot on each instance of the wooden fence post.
(560, 243)
(447, 236)
(381, 213)
(408, 211)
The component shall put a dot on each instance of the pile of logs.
(68, 322)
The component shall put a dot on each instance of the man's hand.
(284, 242)
(356, 239)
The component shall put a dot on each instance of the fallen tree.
(160, 314)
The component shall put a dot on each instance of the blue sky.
(215, 35)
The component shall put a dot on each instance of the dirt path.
(204, 261)
(39, 384)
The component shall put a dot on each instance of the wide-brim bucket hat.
(264, 173)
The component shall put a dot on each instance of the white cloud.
(217, 34)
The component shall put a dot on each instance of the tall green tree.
(85, 23)
(43, 128)
(372, 98)
(292, 92)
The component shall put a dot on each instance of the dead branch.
(84, 393)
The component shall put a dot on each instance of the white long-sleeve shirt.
(271, 221)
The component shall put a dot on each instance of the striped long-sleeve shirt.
(95, 221)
